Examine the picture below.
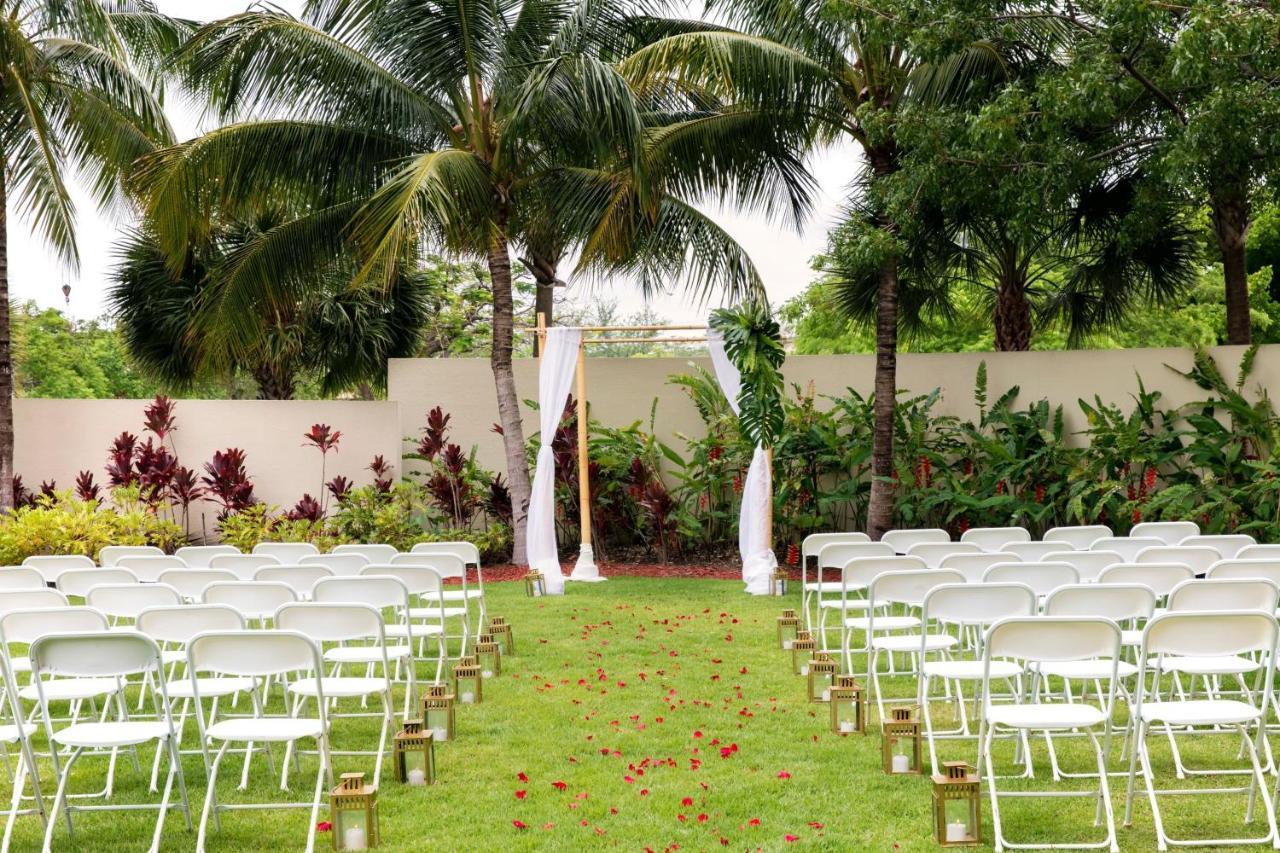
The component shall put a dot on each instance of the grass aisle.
(637, 714)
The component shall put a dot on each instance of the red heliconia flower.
(715, 452)
(323, 437)
(1131, 492)
(1149, 478)
(1000, 488)
(793, 555)
(968, 467)
(1137, 516)
(1039, 493)
(737, 484)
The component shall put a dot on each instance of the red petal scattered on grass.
(790, 838)
(755, 821)
(519, 824)
(687, 801)
(782, 774)
(324, 826)
(558, 785)
(702, 818)
(522, 776)
(520, 795)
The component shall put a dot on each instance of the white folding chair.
(1228, 546)
(450, 566)
(386, 594)
(995, 538)
(902, 540)
(1248, 552)
(18, 732)
(1041, 641)
(77, 582)
(1184, 635)
(1127, 547)
(1168, 532)
(832, 555)
(1033, 552)
(92, 657)
(1044, 578)
(122, 602)
(856, 575)
(974, 566)
(199, 556)
(51, 567)
(338, 625)
(21, 577)
(111, 554)
(149, 568)
(257, 601)
(374, 553)
(342, 565)
(300, 578)
(1237, 568)
(429, 610)
(1162, 578)
(468, 552)
(1088, 563)
(243, 566)
(933, 553)
(968, 606)
(288, 553)
(259, 655)
(1081, 536)
(190, 583)
(1199, 559)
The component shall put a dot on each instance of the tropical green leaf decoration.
(753, 342)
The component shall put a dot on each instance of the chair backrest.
(1126, 546)
(288, 553)
(243, 566)
(1225, 595)
(329, 622)
(995, 538)
(127, 600)
(111, 554)
(253, 653)
(149, 568)
(1081, 536)
(1160, 577)
(1228, 545)
(909, 587)
(1168, 532)
(380, 591)
(417, 579)
(1119, 602)
(21, 577)
(78, 582)
(468, 551)
(861, 571)
(179, 624)
(94, 654)
(30, 599)
(978, 603)
(190, 583)
(1042, 577)
(902, 540)
(1088, 563)
(1054, 638)
(374, 553)
(812, 544)
(1033, 552)
(342, 565)
(254, 599)
(1199, 559)
(1268, 569)
(24, 626)
(300, 578)
(1248, 552)
(974, 566)
(835, 554)
(199, 556)
(51, 567)
(448, 565)
(1211, 634)
(933, 553)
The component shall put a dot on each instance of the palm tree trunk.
(275, 382)
(6, 356)
(544, 294)
(1013, 317)
(1230, 215)
(508, 401)
(881, 505)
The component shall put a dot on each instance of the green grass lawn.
(637, 714)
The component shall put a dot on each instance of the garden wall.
(622, 390)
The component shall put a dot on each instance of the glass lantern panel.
(352, 829)
(847, 716)
(958, 814)
(438, 723)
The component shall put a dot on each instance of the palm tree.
(341, 335)
(464, 126)
(69, 99)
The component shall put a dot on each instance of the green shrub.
(64, 524)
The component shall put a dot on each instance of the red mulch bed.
(715, 570)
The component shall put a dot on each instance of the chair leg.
(1104, 794)
(985, 758)
(164, 802)
(209, 797)
(325, 769)
(388, 704)
(59, 800)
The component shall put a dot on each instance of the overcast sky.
(781, 254)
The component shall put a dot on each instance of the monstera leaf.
(753, 342)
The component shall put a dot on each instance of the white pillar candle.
(439, 734)
(354, 839)
(467, 698)
(804, 670)
(786, 644)
(957, 831)
(417, 776)
(846, 726)
(901, 764)
(486, 673)
(826, 695)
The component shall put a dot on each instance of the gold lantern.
(500, 628)
(788, 628)
(414, 754)
(488, 656)
(468, 686)
(535, 584)
(900, 741)
(437, 712)
(848, 707)
(822, 674)
(353, 808)
(777, 583)
(957, 807)
(801, 652)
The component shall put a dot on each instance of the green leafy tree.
(57, 357)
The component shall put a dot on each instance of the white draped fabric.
(758, 561)
(555, 378)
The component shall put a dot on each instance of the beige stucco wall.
(55, 439)
(622, 390)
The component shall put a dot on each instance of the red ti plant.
(324, 438)
(86, 489)
(120, 470)
(156, 467)
(497, 503)
(228, 482)
(660, 516)
(48, 489)
(382, 473)
(22, 496)
(185, 490)
(159, 417)
(307, 509)
(449, 487)
(338, 487)
(434, 434)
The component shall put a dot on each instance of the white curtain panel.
(555, 377)
(758, 561)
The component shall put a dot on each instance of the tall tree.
(398, 124)
(69, 99)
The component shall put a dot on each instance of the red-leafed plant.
(120, 471)
(497, 501)
(660, 508)
(22, 496)
(338, 487)
(155, 469)
(307, 509)
(185, 489)
(382, 470)
(450, 488)
(228, 482)
(159, 418)
(434, 434)
(86, 488)
(48, 489)
(324, 438)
